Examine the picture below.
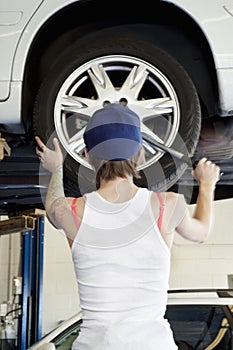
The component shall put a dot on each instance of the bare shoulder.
(79, 205)
(80, 200)
(167, 197)
(172, 197)
(69, 200)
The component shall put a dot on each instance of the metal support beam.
(17, 224)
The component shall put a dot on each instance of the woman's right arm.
(198, 226)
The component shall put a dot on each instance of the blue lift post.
(30, 322)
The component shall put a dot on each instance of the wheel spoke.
(72, 103)
(134, 81)
(147, 132)
(76, 144)
(149, 148)
(76, 104)
(161, 106)
(101, 81)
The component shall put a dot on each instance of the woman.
(121, 235)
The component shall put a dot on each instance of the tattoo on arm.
(55, 190)
(57, 208)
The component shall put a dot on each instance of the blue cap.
(113, 133)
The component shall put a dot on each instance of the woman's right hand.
(50, 159)
(206, 172)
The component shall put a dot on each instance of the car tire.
(110, 64)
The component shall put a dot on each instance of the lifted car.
(172, 64)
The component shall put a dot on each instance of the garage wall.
(194, 265)
(206, 264)
(60, 294)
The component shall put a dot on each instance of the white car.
(200, 319)
(171, 60)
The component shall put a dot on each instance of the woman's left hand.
(50, 159)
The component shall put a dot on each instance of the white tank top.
(122, 266)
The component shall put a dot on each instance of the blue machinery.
(29, 319)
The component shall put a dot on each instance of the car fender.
(216, 19)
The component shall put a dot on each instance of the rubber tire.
(125, 40)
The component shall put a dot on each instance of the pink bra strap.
(73, 208)
(161, 211)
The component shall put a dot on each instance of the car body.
(61, 59)
(200, 319)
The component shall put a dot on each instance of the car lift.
(29, 324)
(27, 292)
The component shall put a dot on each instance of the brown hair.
(109, 170)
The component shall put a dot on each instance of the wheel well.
(168, 26)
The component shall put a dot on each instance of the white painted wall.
(206, 264)
(193, 265)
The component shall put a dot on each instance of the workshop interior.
(171, 62)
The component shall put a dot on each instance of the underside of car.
(166, 75)
(24, 182)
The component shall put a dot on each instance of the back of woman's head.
(110, 170)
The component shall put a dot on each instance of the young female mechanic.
(121, 235)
